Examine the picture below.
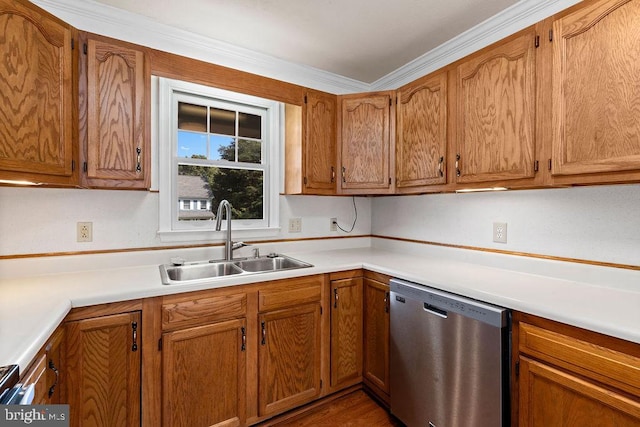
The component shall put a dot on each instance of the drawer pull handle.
(134, 333)
(52, 366)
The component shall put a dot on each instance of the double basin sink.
(204, 271)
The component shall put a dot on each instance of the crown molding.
(98, 18)
(509, 21)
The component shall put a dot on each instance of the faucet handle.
(256, 252)
(238, 245)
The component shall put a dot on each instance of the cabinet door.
(550, 397)
(55, 356)
(596, 87)
(288, 358)
(365, 144)
(495, 120)
(320, 143)
(103, 370)
(421, 143)
(376, 335)
(117, 147)
(36, 95)
(204, 375)
(346, 332)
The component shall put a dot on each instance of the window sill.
(212, 235)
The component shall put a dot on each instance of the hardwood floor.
(356, 409)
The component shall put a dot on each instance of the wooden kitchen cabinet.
(319, 128)
(55, 354)
(114, 114)
(494, 127)
(37, 96)
(376, 334)
(289, 344)
(204, 359)
(346, 331)
(421, 141)
(571, 377)
(366, 126)
(596, 93)
(103, 370)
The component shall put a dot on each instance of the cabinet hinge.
(305, 99)
(551, 35)
(85, 48)
(320, 384)
(160, 344)
(549, 164)
(304, 180)
(73, 165)
(518, 368)
(85, 167)
(535, 166)
(537, 41)
(320, 311)
(73, 44)
(390, 102)
(389, 180)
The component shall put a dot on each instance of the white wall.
(43, 220)
(600, 223)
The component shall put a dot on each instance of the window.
(216, 145)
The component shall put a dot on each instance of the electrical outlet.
(295, 225)
(333, 224)
(500, 232)
(84, 231)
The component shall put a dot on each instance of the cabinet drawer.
(287, 293)
(591, 360)
(205, 309)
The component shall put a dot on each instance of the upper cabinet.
(596, 93)
(495, 113)
(366, 158)
(37, 96)
(320, 143)
(114, 111)
(421, 142)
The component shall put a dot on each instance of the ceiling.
(362, 40)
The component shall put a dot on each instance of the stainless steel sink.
(256, 265)
(205, 271)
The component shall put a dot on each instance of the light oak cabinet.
(346, 331)
(596, 93)
(376, 334)
(421, 141)
(103, 370)
(204, 362)
(494, 130)
(37, 96)
(289, 344)
(319, 143)
(114, 114)
(570, 377)
(366, 126)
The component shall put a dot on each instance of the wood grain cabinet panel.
(366, 158)
(376, 337)
(288, 358)
(103, 370)
(596, 87)
(117, 145)
(204, 381)
(496, 113)
(421, 126)
(37, 95)
(320, 143)
(346, 332)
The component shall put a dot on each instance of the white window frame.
(170, 229)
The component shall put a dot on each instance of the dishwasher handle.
(435, 310)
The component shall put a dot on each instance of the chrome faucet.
(229, 246)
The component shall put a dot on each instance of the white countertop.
(601, 299)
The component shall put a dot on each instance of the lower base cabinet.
(204, 381)
(376, 335)
(103, 370)
(569, 377)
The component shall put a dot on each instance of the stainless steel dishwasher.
(449, 359)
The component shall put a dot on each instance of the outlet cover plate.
(500, 232)
(84, 231)
(295, 225)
